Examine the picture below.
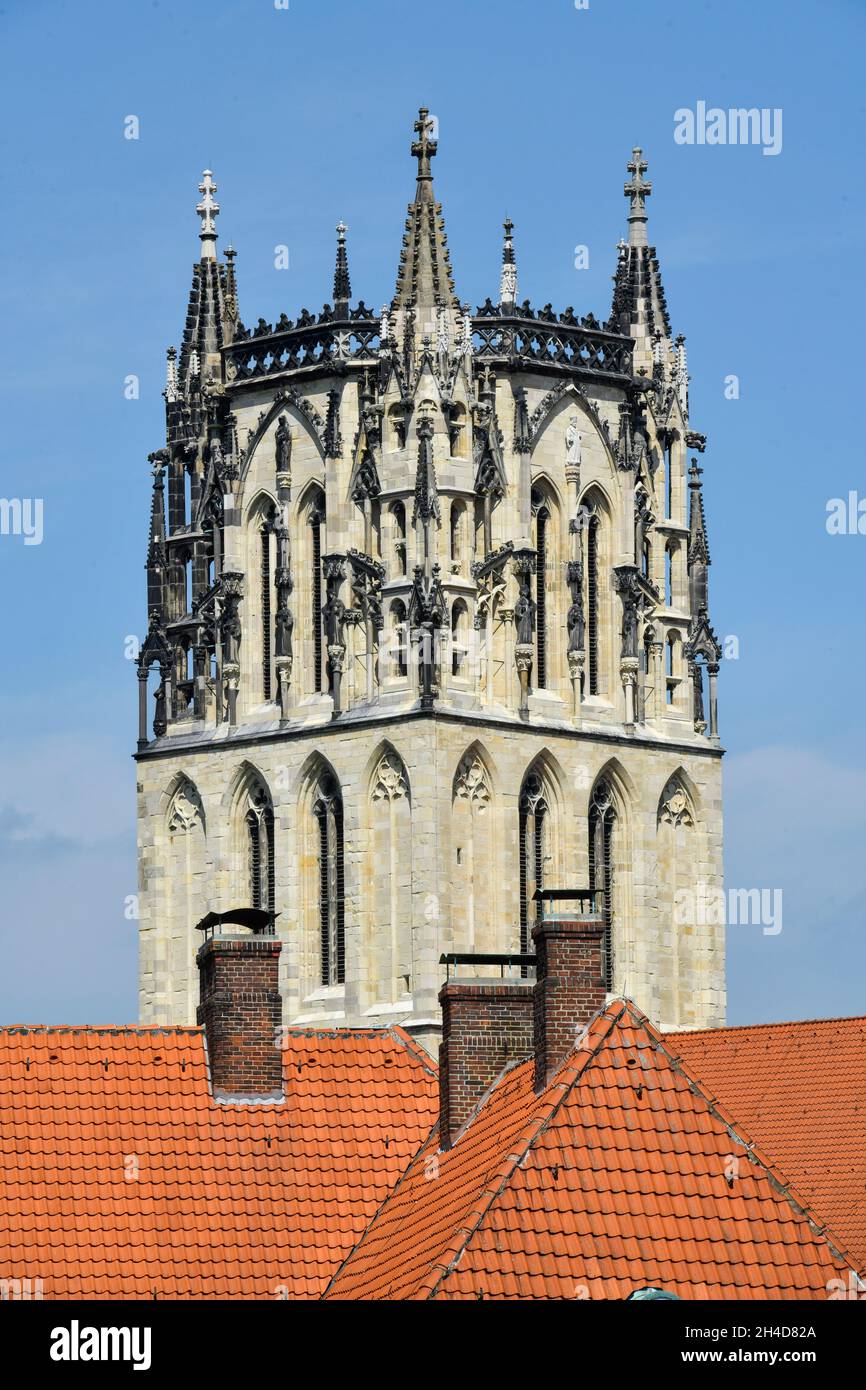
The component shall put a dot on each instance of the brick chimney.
(242, 1013)
(485, 1025)
(569, 989)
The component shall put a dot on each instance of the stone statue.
(629, 628)
(573, 437)
(284, 446)
(524, 619)
(576, 624)
(284, 623)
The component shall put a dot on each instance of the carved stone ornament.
(471, 784)
(675, 808)
(389, 783)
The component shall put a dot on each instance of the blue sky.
(305, 116)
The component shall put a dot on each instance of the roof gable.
(621, 1173)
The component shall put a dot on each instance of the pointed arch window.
(669, 475)
(533, 832)
(316, 518)
(459, 636)
(602, 831)
(265, 578)
(592, 603)
(542, 525)
(458, 537)
(260, 849)
(398, 531)
(328, 814)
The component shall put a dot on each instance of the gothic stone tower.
(428, 629)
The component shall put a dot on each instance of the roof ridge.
(413, 1047)
(135, 1029)
(577, 1062)
(753, 1027)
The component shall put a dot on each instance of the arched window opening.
(673, 673)
(187, 495)
(398, 524)
(328, 812)
(265, 581)
(592, 604)
(186, 562)
(602, 830)
(457, 431)
(669, 476)
(646, 560)
(669, 574)
(542, 523)
(398, 640)
(458, 537)
(260, 849)
(316, 522)
(459, 635)
(396, 426)
(533, 828)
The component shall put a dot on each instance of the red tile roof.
(621, 1174)
(800, 1088)
(121, 1177)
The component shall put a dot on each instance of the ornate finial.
(695, 474)
(508, 278)
(637, 190)
(681, 372)
(466, 339)
(384, 329)
(171, 375)
(342, 284)
(207, 210)
(424, 148)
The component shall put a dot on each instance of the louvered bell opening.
(255, 858)
(592, 603)
(324, 914)
(267, 686)
(541, 598)
(316, 615)
(601, 833)
(532, 837)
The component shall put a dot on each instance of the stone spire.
(208, 210)
(212, 309)
(424, 277)
(508, 277)
(639, 307)
(342, 283)
(637, 190)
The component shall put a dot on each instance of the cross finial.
(637, 190)
(424, 147)
(508, 275)
(207, 210)
(342, 284)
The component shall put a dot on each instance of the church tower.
(429, 630)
